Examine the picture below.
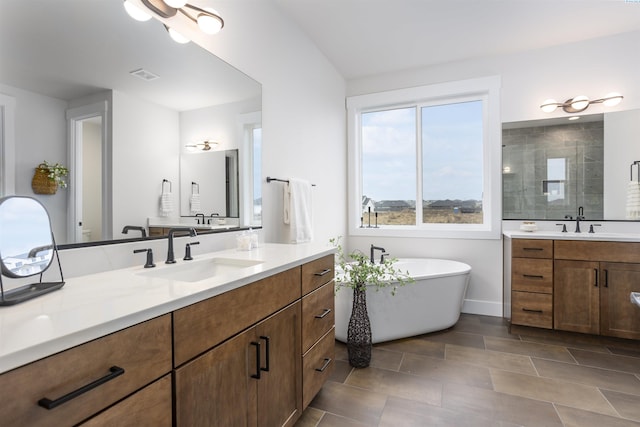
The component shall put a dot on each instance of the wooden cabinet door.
(618, 316)
(280, 383)
(576, 296)
(217, 388)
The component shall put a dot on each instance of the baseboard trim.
(486, 308)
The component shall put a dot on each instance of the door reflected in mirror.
(26, 241)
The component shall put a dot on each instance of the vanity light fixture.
(580, 103)
(208, 20)
(206, 146)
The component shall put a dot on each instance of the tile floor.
(479, 374)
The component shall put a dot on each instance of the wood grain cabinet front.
(252, 379)
(532, 283)
(318, 325)
(69, 387)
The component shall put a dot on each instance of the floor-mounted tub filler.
(432, 303)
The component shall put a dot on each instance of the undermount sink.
(195, 271)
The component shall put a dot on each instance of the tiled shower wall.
(525, 154)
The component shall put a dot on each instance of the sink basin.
(195, 271)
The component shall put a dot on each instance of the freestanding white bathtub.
(432, 303)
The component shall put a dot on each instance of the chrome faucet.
(171, 259)
(376, 248)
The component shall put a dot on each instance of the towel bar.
(269, 179)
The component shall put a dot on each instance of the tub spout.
(373, 249)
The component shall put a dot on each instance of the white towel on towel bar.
(194, 203)
(166, 204)
(633, 200)
(297, 210)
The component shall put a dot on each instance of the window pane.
(389, 167)
(452, 161)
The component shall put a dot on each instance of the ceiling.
(370, 37)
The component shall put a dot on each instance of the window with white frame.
(426, 161)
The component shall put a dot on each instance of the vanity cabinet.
(252, 379)
(575, 285)
(48, 392)
(532, 283)
(255, 355)
(318, 326)
(594, 283)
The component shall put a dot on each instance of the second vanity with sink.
(231, 338)
(570, 281)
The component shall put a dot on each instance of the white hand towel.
(166, 204)
(633, 200)
(298, 211)
(194, 202)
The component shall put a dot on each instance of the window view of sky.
(452, 152)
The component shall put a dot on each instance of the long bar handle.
(266, 339)
(114, 371)
(324, 313)
(531, 249)
(528, 310)
(531, 276)
(327, 361)
(257, 374)
(595, 270)
(323, 272)
(606, 278)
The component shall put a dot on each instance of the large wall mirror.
(121, 104)
(552, 167)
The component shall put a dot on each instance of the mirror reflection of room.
(129, 122)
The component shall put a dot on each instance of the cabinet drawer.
(317, 273)
(532, 309)
(532, 248)
(317, 365)
(205, 324)
(143, 351)
(318, 315)
(151, 406)
(532, 275)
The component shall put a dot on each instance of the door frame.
(74, 118)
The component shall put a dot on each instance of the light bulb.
(579, 103)
(549, 105)
(612, 99)
(208, 23)
(136, 12)
(177, 4)
(177, 37)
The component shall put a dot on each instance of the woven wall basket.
(41, 183)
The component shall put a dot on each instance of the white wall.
(303, 109)
(40, 134)
(590, 68)
(145, 151)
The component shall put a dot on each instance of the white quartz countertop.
(570, 235)
(91, 306)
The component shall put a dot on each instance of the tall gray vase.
(359, 331)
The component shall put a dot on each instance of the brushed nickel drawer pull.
(528, 310)
(324, 313)
(533, 276)
(323, 272)
(326, 363)
(114, 371)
